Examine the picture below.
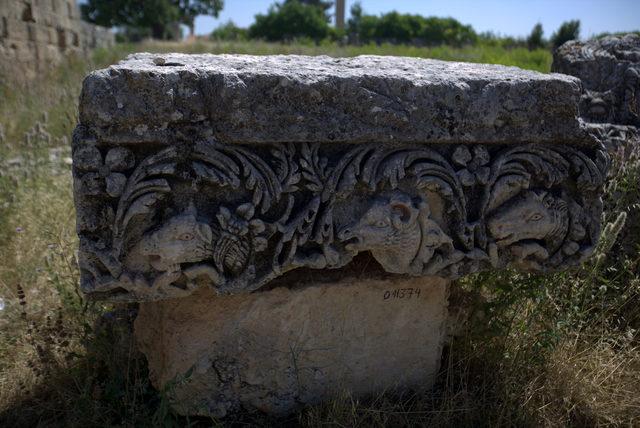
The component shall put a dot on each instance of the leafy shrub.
(229, 31)
(394, 27)
(289, 21)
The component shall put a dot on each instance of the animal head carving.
(389, 229)
(534, 214)
(182, 239)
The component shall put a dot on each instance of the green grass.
(554, 350)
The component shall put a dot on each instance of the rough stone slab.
(280, 349)
(271, 99)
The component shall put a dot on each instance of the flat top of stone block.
(269, 99)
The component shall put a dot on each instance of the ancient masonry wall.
(36, 34)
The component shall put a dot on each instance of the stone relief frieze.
(158, 223)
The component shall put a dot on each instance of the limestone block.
(17, 30)
(322, 99)
(48, 18)
(610, 72)
(43, 7)
(53, 36)
(39, 34)
(24, 51)
(11, 9)
(279, 349)
(234, 196)
(49, 55)
(228, 171)
(58, 6)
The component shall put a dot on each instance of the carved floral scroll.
(158, 223)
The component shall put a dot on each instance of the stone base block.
(288, 346)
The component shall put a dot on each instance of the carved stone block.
(202, 176)
(227, 171)
(610, 72)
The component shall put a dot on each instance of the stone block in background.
(200, 179)
(610, 72)
(46, 25)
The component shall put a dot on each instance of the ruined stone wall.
(37, 34)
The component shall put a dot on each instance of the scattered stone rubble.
(235, 197)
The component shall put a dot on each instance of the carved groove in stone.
(233, 217)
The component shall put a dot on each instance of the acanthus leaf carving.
(234, 217)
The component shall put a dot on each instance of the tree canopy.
(159, 17)
(394, 27)
(323, 5)
(189, 9)
(229, 31)
(535, 39)
(569, 30)
(290, 20)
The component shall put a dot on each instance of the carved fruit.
(231, 253)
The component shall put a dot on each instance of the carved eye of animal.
(535, 217)
(186, 237)
(382, 223)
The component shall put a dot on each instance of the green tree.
(189, 9)
(154, 15)
(353, 23)
(535, 40)
(323, 5)
(449, 31)
(290, 20)
(569, 30)
(157, 17)
(398, 28)
(229, 31)
(395, 27)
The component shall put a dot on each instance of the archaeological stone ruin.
(290, 226)
(609, 69)
(36, 35)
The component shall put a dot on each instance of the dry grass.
(589, 383)
(556, 350)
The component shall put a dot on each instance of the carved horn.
(403, 212)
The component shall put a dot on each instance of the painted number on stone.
(402, 293)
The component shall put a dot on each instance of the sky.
(506, 17)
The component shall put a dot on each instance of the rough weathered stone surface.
(616, 138)
(201, 179)
(280, 349)
(610, 72)
(170, 200)
(273, 99)
(37, 34)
